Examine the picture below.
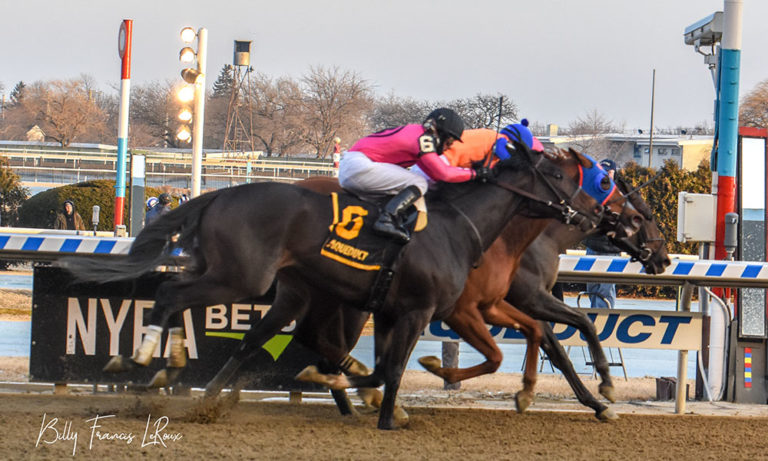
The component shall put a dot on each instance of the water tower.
(238, 137)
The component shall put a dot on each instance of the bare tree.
(589, 131)
(66, 111)
(335, 104)
(154, 115)
(278, 108)
(753, 110)
(392, 111)
(483, 111)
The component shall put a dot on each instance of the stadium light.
(194, 91)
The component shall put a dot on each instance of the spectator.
(599, 293)
(69, 218)
(162, 207)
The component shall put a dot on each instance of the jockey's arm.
(439, 171)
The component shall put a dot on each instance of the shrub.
(40, 210)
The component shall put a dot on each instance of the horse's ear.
(585, 161)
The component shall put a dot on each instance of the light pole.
(195, 76)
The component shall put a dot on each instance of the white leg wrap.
(143, 355)
(178, 357)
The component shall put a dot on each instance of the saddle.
(351, 241)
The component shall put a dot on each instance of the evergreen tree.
(17, 94)
(12, 194)
(222, 87)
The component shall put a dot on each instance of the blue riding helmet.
(592, 181)
(516, 132)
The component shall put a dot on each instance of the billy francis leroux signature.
(53, 430)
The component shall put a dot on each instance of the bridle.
(643, 252)
(562, 205)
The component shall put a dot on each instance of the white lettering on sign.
(239, 318)
(77, 326)
(114, 325)
(82, 326)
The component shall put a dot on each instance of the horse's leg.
(559, 359)
(391, 357)
(289, 305)
(551, 309)
(174, 296)
(468, 323)
(504, 314)
(177, 360)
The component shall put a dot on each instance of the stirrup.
(390, 230)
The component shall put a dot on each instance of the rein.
(478, 238)
(569, 214)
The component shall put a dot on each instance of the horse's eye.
(605, 183)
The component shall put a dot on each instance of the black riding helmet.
(164, 198)
(447, 123)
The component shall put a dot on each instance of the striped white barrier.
(614, 269)
(610, 269)
(46, 247)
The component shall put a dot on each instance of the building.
(686, 150)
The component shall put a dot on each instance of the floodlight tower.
(238, 136)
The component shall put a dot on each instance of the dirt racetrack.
(265, 430)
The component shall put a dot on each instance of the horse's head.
(647, 245)
(552, 189)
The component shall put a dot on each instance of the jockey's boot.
(389, 222)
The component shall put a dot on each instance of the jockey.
(478, 144)
(377, 164)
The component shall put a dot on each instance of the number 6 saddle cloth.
(352, 241)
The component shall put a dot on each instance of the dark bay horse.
(530, 292)
(482, 301)
(241, 239)
(486, 286)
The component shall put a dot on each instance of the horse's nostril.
(637, 221)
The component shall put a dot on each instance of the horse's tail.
(149, 249)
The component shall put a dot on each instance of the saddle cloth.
(351, 240)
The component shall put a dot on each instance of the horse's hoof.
(607, 415)
(308, 375)
(401, 417)
(431, 363)
(164, 377)
(119, 364)
(522, 401)
(159, 380)
(608, 392)
(371, 397)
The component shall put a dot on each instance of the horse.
(474, 307)
(482, 302)
(531, 293)
(240, 239)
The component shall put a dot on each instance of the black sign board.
(76, 327)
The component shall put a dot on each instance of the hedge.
(40, 210)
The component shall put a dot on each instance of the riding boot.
(389, 222)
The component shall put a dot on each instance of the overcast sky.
(558, 59)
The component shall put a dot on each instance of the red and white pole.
(124, 48)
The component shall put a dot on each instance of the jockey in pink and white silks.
(377, 165)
